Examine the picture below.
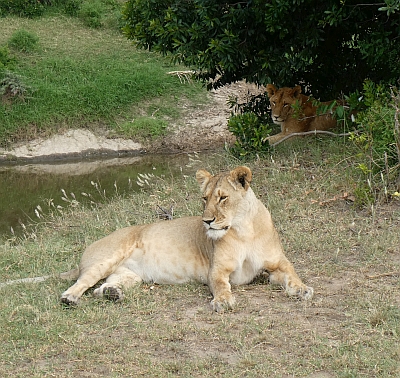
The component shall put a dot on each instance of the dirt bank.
(202, 129)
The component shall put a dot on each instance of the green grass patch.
(144, 128)
(23, 41)
(82, 77)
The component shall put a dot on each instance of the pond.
(24, 187)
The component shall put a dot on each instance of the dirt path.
(206, 127)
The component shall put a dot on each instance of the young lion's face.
(281, 101)
(223, 197)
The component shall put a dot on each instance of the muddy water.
(24, 187)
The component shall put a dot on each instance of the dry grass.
(350, 329)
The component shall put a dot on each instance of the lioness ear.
(271, 90)
(203, 177)
(241, 175)
(296, 91)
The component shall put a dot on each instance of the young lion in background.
(233, 242)
(282, 112)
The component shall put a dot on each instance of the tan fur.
(282, 112)
(233, 242)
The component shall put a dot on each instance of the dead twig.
(164, 213)
(310, 133)
(183, 75)
(388, 274)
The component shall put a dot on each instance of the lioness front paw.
(306, 293)
(110, 292)
(69, 300)
(272, 139)
(222, 303)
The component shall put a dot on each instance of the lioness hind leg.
(88, 277)
(286, 276)
(112, 288)
(71, 296)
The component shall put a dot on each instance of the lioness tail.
(70, 275)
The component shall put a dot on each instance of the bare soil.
(206, 127)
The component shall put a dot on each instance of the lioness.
(282, 112)
(231, 243)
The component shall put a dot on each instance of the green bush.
(72, 7)
(99, 13)
(250, 133)
(23, 8)
(91, 13)
(6, 60)
(23, 40)
(258, 104)
(251, 125)
(13, 86)
(376, 138)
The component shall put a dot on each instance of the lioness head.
(223, 197)
(281, 101)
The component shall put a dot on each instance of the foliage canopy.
(332, 46)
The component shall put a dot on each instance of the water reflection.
(23, 187)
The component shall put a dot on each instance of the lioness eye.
(205, 199)
(222, 198)
(285, 105)
(273, 103)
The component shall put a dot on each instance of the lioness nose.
(208, 221)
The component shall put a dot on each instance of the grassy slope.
(350, 328)
(85, 77)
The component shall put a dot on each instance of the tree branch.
(313, 132)
(383, 275)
